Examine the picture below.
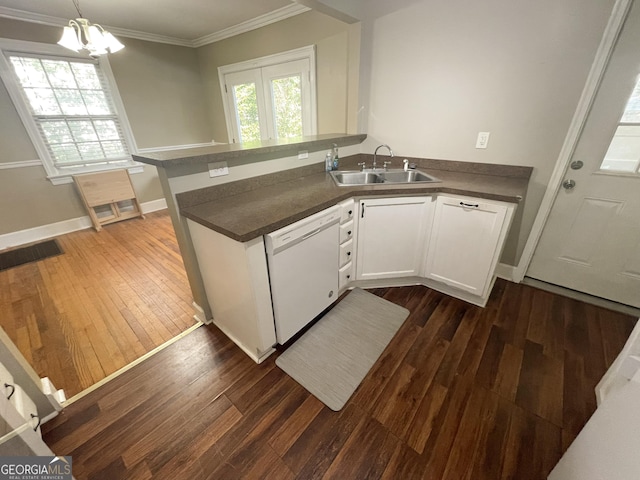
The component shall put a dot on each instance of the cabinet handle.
(475, 205)
(349, 232)
(13, 390)
(348, 277)
(348, 254)
(350, 212)
(362, 214)
(33, 415)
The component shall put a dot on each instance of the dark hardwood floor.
(460, 393)
(112, 297)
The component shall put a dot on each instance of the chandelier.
(81, 34)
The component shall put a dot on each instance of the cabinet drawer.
(346, 252)
(346, 231)
(347, 210)
(345, 275)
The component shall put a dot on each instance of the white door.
(465, 240)
(591, 241)
(391, 237)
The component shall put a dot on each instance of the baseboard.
(30, 235)
(506, 272)
(153, 205)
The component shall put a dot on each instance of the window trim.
(55, 175)
(303, 53)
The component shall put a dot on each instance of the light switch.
(302, 154)
(483, 139)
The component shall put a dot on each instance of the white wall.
(438, 72)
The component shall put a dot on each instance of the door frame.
(598, 68)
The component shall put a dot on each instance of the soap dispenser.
(328, 162)
(334, 154)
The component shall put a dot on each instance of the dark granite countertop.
(226, 152)
(247, 209)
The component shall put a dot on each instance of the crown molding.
(14, 14)
(149, 37)
(261, 21)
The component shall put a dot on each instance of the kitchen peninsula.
(222, 224)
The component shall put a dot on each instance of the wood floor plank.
(295, 425)
(398, 403)
(425, 417)
(461, 457)
(460, 393)
(365, 454)
(540, 377)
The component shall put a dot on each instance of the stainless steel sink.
(344, 178)
(410, 176)
(355, 178)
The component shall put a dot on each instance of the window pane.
(247, 111)
(287, 102)
(67, 153)
(96, 102)
(71, 102)
(86, 75)
(113, 149)
(632, 110)
(623, 154)
(56, 132)
(42, 101)
(59, 73)
(30, 72)
(83, 131)
(106, 129)
(91, 151)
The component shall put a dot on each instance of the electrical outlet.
(483, 139)
(218, 169)
(302, 154)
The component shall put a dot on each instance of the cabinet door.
(465, 242)
(391, 237)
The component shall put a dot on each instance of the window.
(623, 154)
(271, 97)
(69, 109)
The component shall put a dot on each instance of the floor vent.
(32, 253)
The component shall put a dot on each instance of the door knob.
(568, 184)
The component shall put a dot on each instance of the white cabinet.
(466, 242)
(392, 236)
(236, 280)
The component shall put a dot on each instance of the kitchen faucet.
(375, 153)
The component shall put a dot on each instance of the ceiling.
(190, 22)
(187, 22)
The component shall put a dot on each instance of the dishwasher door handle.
(311, 233)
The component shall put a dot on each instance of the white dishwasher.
(303, 270)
